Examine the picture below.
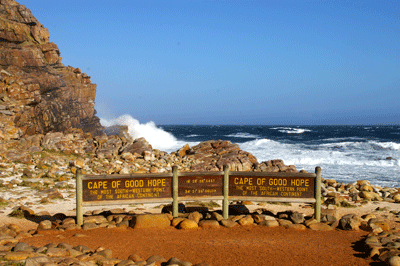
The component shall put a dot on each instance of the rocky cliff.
(38, 94)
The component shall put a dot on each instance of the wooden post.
(79, 211)
(318, 194)
(225, 202)
(175, 188)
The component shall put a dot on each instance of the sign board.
(97, 188)
(198, 185)
(272, 186)
(144, 188)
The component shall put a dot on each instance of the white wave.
(387, 145)
(357, 160)
(157, 137)
(291, 130)
(192, 136)
(242, 135)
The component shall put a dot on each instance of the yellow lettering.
(134, 183)
(115, 184)
(260, 181)
(277, 182)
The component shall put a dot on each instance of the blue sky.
(234, 62)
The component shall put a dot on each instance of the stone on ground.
(150, 221)
(188, 224)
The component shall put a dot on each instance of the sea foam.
(157, 137)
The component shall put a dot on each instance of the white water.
(157, 137)
(291, 130)
(343, 159)
(243, 135)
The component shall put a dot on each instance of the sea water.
(345, 153)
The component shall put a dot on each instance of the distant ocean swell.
(347, 153)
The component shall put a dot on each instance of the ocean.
(345, 153)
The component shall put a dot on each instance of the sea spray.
(345, 153)
(157, 137)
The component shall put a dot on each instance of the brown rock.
(182, 152)
(296, 226)
(42, 94)
(188, 224)
(350, 222)
(209, 224)
(269, 223)
(138, 146)
(155, 258)
(176, 221)
(320, 227)
(393, 261)
(247, 220)
(43, 225)
(228, 223)
(150, 221)
(20, 255)
(195, 216)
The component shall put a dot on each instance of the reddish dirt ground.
(247, 245)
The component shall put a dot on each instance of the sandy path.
(248, 245)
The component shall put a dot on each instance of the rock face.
(38, 93)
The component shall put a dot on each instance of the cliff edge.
(38, 94)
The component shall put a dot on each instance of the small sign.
(278, 187)
(107, 189)
(206, 185)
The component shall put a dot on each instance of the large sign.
(265, 186)
(96, 188)
(144, 188)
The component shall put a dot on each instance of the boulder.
(269, 223)
(350, 222)
(297, 218)
(320, 227)
(209, 224)
(228, 223)
(150, 221)
(195, 216)
(188, 224)
(247, 220)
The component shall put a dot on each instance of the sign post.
(79, 211)
(318, 194)
(225, 203)
(175, 187)
(226, 186)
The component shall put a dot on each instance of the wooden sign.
(206, 185)
(96, 188)
(144, 188)
(264, 186)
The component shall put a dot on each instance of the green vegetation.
(280, 203)
(17, 213)
(25, 183)
(346, 204)
(11, 263)
(44, 201)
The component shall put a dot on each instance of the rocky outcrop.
(38, 94)
(214, 154)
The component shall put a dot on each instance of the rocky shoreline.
(40, 169)
(48, 130)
